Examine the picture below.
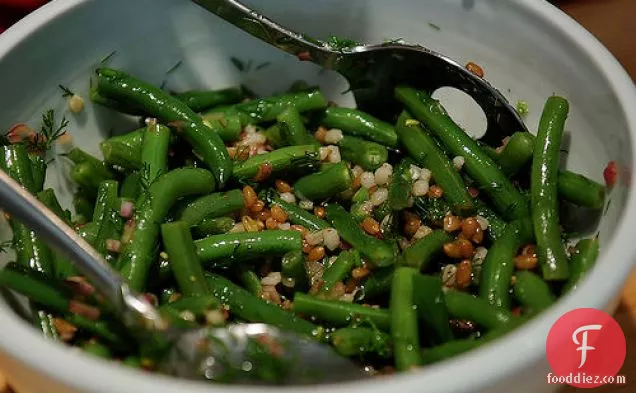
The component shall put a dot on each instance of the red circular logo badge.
(585, 348)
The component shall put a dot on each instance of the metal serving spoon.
(373, 71)
(240, 353)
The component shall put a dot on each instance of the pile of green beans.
(399, 243)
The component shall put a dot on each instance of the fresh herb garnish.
(66, 91)
(522, 108)
(108, 57)
(50, 131)
(174, 67)
(341, 44)
(238, 63)
(393, 41)
(145, 177)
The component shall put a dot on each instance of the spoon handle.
(250, 21)
(26, 208)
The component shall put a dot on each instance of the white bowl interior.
(524, 53)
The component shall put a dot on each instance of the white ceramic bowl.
(528, 49)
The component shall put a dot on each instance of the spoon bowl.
(374, 70)
(256, 354)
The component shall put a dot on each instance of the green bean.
(420, 253)
(121, 155)
(196, 304)
(404, 320)
(369, 155)
(46, 323)
(328, 182)
(132, 362)
(571, 186)
(152, 208)
(88, 232)
(131, 186)
(117, 106)
(357, 341)
(378, 283)
(230, 247)
(250, 280)
(38, 171)
(543, 187)
(376, 251)
(212, 206)
(213, 226)
(338, 271)
(154, 149)
(496, 226)
(462, 305)
(498, 266)
(431, 305)
(267, 109)
(532, 292)
(200, 100)
(581, 261)
(184, 263)
(122, 87)
(360, 124)
(456, 347)
(297, 215)
(97, 349)
(293, 130)
(83, 209)
(88, 177)
(106, 215)
(361, 195)
(15, 161)
(79, 156)
(293, 269)
(61, 265)
(261, 166)
(517, 153)
(580, 190)
(253, 309)
(109, 331)
(339, 313)
(132, 139)
(30, 250)
(274, 136)
(36, 287)
(227, 125)
(48, 198)
(425, 151)
(400, 186)
(506, 199)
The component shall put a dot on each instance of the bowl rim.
(517, 349)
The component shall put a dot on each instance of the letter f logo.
(583, 344)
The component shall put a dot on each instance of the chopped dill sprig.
(50, 131)
(66, 91)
